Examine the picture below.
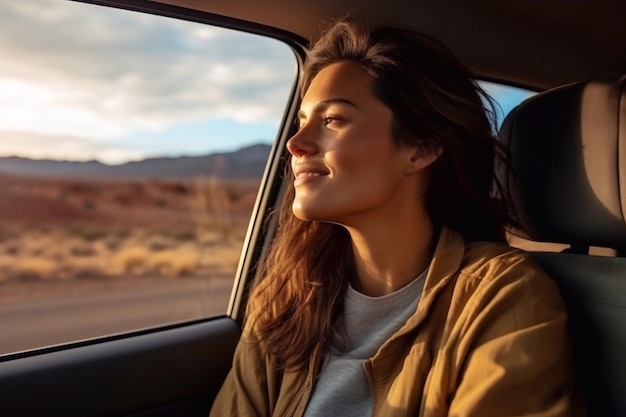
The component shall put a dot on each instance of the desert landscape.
(56, 230)
(67, 237)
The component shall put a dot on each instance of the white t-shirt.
(366, 323)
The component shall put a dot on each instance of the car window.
(131, 150)
(507, 97)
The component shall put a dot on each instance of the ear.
(422, 157)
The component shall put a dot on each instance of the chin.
(308, 214)
(303, 215)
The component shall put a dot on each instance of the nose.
(302, 142)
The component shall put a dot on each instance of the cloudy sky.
(79, 81)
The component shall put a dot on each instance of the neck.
(389, 255)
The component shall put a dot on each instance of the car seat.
(568, 153)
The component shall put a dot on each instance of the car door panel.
(173, 372)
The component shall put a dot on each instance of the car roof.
(534, 43)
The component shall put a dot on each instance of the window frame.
(258, 232)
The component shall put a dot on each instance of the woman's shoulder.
(495, 272)
(494, 260)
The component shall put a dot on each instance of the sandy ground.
(20, 292)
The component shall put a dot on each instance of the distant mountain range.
(248, 162)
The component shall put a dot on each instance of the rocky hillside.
(245, 163)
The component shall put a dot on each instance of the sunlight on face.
(346, 164)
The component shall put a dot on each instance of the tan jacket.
(488, 338)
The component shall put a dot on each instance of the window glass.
(131, 150)
(506, 97)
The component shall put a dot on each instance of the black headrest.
(568, 154)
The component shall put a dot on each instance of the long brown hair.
(435, 103)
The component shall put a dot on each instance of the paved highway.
(44, 322)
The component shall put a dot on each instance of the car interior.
(568, 152)
(569, 166)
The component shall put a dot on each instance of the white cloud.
(51, 146)
(79, 70)
(31, 107)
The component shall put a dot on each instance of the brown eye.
(328, 120)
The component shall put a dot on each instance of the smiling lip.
(307, 174)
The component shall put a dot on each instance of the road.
(39, 322)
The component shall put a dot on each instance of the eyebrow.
(323, 105)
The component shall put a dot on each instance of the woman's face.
(346, 165)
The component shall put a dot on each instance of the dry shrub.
(210, 205)
(210, 237)
(142, 253)
(131, 260)
(36, 244)
(6, 263)
(81, 268)
(174, 262)
(34, 268)
(159, 243)
(177, 262)
(223, 258)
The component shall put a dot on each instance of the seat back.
(568, 154)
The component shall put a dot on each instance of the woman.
(389, 289)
